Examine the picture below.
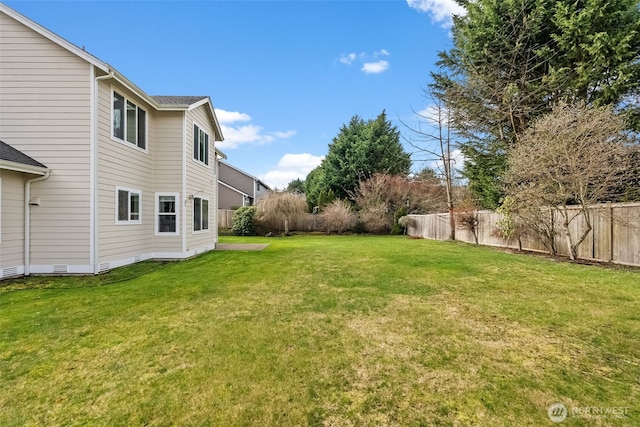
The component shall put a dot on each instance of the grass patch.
(317, 330)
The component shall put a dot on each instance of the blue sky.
(284, 76)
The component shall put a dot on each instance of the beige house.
(95, 173)
(237, 188)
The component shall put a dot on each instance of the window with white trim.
(167, 213)
(128, 203)
(129, 121)
(200, 214)
(200, 145)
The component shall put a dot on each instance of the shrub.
(376, 217)
(406, 222)
(338, 216)
(243, 221)
(397, 227)
(277, 209)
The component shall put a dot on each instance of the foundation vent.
(104, 266)
(60, 268)
(9, 272)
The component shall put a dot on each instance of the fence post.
(611, 231)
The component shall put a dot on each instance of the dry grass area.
(324, 331)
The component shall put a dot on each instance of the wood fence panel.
(626, 236)
(602, 233)
(615, 236)
(225, 218)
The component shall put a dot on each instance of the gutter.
(27, 219)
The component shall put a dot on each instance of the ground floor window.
(127, 206)
(166, 213)
(200, 214)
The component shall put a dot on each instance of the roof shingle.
(178, 100)
(10, 154)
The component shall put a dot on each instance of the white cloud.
(431, 115)
(237, 135)
(457, 161)
(440, 10)
(348, 58)
(369, 61)
(231, 116)
(290, 167)
(375, 67)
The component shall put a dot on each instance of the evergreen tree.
(512, 60)
(296, 186)
(361, 149)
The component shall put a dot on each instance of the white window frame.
(176, 213)
(124, 140)
(117, 203)
(193, 225)
(197, 155)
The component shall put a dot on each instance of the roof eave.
(220, 153)
(21, 167)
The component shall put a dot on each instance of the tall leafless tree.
(433, 138)
(570, 159)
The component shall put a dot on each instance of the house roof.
(172, 102)
(178, 100)
(13, 159)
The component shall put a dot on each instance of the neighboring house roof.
(13, 159)
(232, 188)
(246, 174)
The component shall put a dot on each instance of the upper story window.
(200, 145)
(129, 121)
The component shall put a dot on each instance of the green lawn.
(318, 330)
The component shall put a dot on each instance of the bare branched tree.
(280, 206)
(568, 160)
(433, 138)
(381, 196)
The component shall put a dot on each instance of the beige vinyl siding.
(123, 165)
(200, 180)
(45, 113)
(12, 220)
(167, 163)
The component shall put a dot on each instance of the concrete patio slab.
(241, 246)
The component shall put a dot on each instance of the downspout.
(183, 205)
(27, 220)
(216, 220)
(95, 258)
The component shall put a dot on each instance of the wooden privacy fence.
(615, 236)
(306, 222)
(225, 218)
